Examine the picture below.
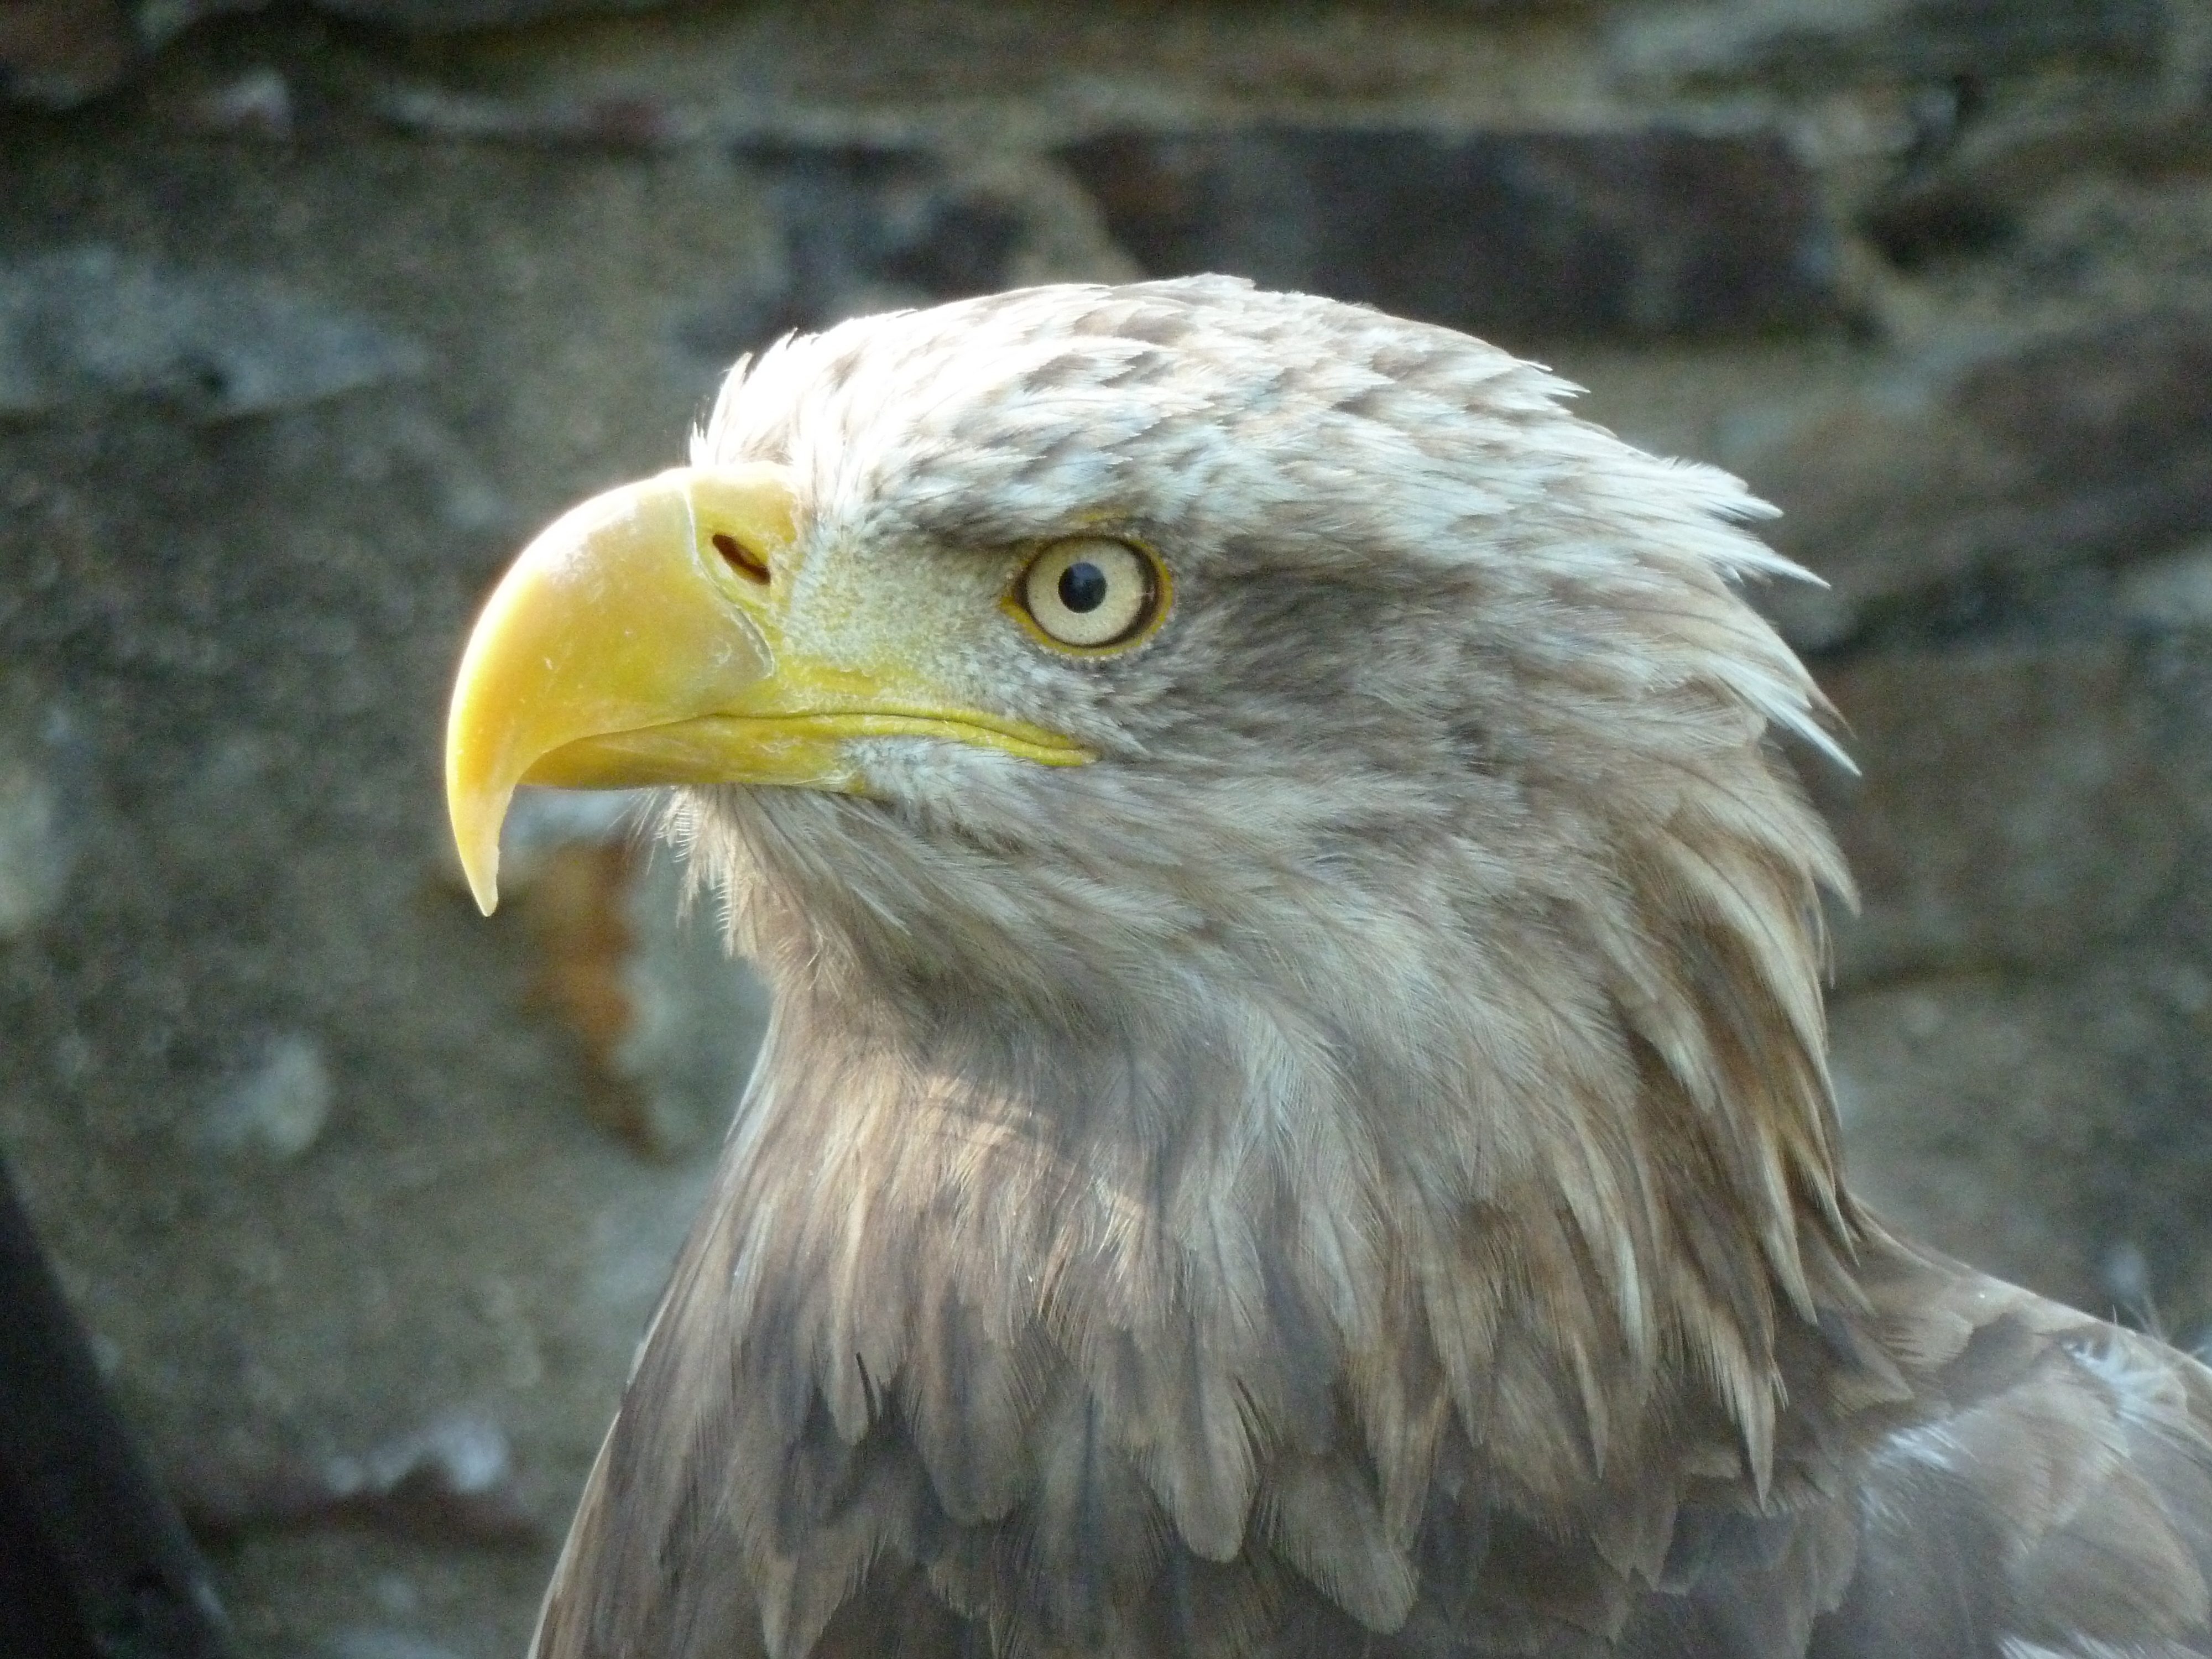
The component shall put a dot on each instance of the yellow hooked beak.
(641, 639)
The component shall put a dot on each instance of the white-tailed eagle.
(1296, 1120)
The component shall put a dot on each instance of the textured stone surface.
(38, 833)
(635, 966)
(1516, 235)
(250, 623)
(2020, 806)
(2046, 1127)
(870, 228)
(444, 16)
(274, 1106)
(60, 52)
(86, 326)
(876, 70)
(1814, 44)
(2067, 448)
(1972, 182)
(2169, 592)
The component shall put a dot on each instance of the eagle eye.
(1090, 593)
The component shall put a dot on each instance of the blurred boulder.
(87, 325)
(248, 600)
(860, 228)
(2173, 591)
(379, 1642)
(2067, 448)
(2019, 805)
(40, 791)
(635, 965)
(60, 52)
(1817, 44)
(1973, 192)
(275, 1106)
(449, 16)
(1639, 235)
(2044, 1127)
(452, 1480)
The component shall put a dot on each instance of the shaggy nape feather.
(1357, 1161)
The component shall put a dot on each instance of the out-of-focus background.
(311, 312)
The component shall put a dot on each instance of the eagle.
(1295, 1121)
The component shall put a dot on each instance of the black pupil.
(1082, 586)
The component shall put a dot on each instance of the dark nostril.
(741, 557)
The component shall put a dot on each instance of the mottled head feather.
(1388, 1084)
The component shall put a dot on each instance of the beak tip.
(476, 817)
(480, 864)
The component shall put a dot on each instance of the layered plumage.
(1351, 1168)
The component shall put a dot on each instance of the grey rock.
(376, 1642)
(90, 325)
(2173, 592)
(1816, 44)
(634, 962)
(1967, 1117)
(276, 1108)
(2018, 806)
(698, 1015)
(2046, 1127)
(1976, 187)
(257, 103)
(252, 624)
(2114, 420)
(2066, 448)
(452, 1480)
(38, 839)
(861, 229)
(60, 52)
(1975, 190)
(594, 118)
(1520, 236)
(453, 16)
(2124, 1275)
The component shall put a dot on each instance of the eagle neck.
(1222, 1226)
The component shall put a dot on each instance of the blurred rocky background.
(311, 312)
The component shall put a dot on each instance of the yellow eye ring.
(1090, 595)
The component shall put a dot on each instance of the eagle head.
(1099, 638)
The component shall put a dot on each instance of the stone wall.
(309, 314)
